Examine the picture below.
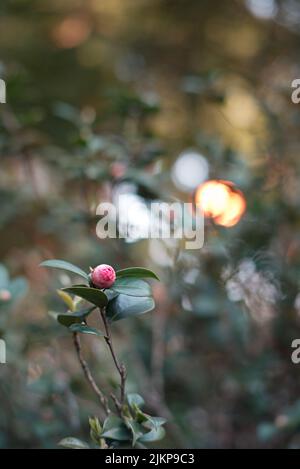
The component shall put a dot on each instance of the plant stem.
(120, 366)
(88, 374)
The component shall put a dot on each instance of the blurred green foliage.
(103, 93)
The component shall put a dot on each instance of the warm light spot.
(242, 110)
(221, 201)
(71, 32)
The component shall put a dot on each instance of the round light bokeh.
(189, 170)
(264, 9)
(221, 201)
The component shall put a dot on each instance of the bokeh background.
(151, 98)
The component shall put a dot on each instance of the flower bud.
(103, 276)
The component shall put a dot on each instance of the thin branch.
(117, 403)
(120, 366)
(88, 374)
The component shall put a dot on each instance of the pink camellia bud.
(103, 276)
(5, 295)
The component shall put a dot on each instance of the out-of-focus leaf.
(83, 329)
(68, 319)
(95, 425)
(136, 272)
(124, 306)
(59, 264)
(132, 287)
(73, 443)
(149, 421)
(135, 400)
(136, 429)
(111, 294)
(93, 295)
(154, 435)
(155, 422)
(115, 429)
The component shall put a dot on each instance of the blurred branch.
(120, 366)
(88, 373)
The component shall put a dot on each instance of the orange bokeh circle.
(221, 201)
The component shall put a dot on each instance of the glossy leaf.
(58, 264)
(149, 421)
(115, 429)
(155, 422)
(154, 435)
(135, 400)
(68, 319)
(111, 294)
(136, 272)
(93, 295)
(73, 443)
(84, 329)
(136, 430)
(124, 306)
(132, 287)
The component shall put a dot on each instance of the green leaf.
(131, 287)
(154, 435)
(115, 429)
(136, 272)
(149, 421)
(155, 422)
(58, 264)
(135, 400)
(95, 425)
(83, 329)
(67, 299)
(95, 430)
(136, 429)
(93, 295)
(110, 294)
(68, 319)
(73, 443)
(124, 306)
